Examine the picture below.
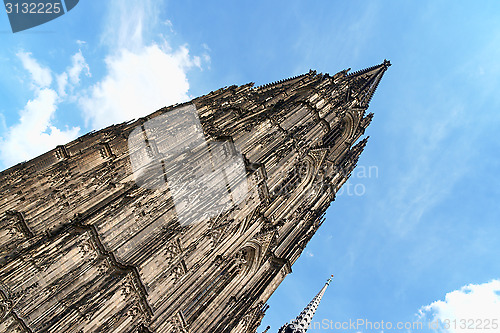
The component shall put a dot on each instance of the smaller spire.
(358, 148)
(303, 320)
(351, 158)
(365, 122)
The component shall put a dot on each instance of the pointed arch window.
(331, 138)
(229, 272)
(291, 181)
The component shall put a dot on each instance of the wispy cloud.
(428, 172)
(445, 120)
(79, 65)
(72, 74)
(130, 24)
(40, 76)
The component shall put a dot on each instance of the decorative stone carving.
(135, 261)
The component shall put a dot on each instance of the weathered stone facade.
(83, 248)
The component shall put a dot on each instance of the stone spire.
(363, 83)
(303, 320)
(352, 157)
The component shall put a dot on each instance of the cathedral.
(186, 220)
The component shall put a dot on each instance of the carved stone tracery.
(296, 139)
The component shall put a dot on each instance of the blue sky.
(421, 234)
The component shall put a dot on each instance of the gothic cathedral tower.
(186, 220)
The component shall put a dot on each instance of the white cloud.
(41, 76)
(35, 132)
(474, 303)
(72, 74)
(137, 84)
(141, 75)
(79, 65)
(62, 82)
(169, 24)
